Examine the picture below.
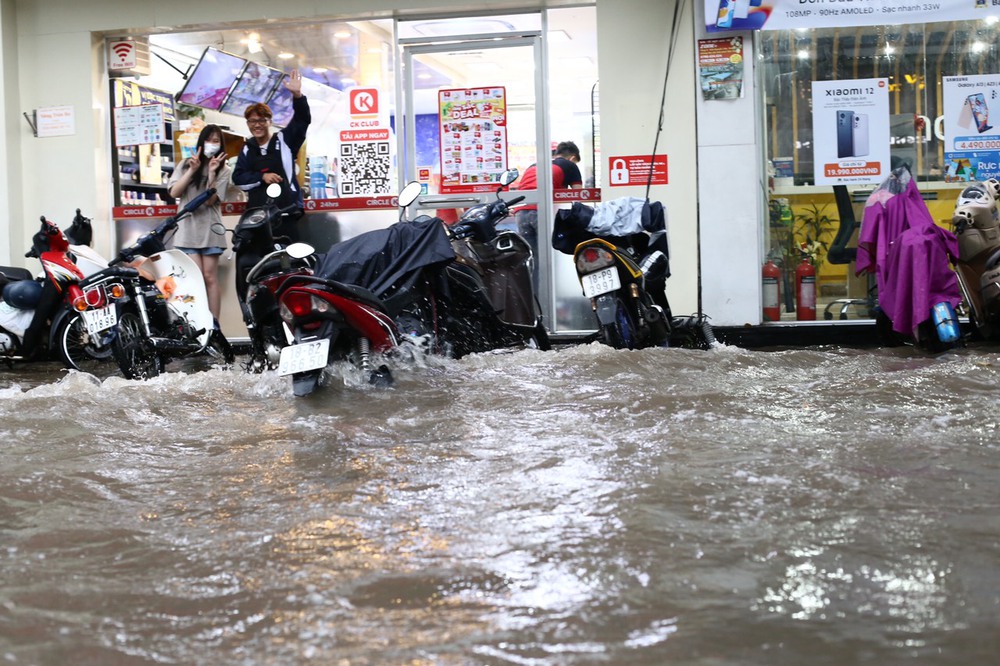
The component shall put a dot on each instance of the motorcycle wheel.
(620, 334)
(75, 349)
(135, 359)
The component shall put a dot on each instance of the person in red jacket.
(565, 175)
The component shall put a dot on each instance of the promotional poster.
(722, 15)
(851, 141)
(473, 129)
(971, 127)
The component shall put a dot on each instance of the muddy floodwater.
(582, 506)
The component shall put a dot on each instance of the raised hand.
(294, 83)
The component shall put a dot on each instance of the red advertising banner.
(634, 170)
(381, 202)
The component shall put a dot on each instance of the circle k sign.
(364, 101)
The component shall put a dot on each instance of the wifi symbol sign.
(122, 55)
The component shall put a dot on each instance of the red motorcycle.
(59, 296)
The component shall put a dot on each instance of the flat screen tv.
(281, 105)
(254, 85)
(211, 79)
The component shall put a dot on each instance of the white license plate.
(101, 319)
(304, 357)
(601, 282)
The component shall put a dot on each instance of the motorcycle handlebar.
(129, 253)
(515, 200)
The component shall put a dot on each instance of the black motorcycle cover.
(378, 259)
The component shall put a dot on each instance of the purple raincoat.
(909, 255)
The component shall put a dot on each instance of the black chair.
(840, 253)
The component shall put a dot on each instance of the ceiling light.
(342, 34)
(286, 55)
(424, 76)
(319, 70)
(803, 54)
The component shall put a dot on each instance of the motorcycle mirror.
(509, 176)
(409, 194)
(219, 227)
(273, 191)
(299, 250)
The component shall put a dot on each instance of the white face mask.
(210, 149)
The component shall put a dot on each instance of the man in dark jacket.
(270, 157)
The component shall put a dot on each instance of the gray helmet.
(23, 294)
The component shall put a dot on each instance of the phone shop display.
(851, 131)
(972, 137)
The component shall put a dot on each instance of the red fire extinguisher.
(805, 290)
(772, 291)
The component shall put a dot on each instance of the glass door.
(473, 106)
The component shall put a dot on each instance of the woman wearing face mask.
(207, 168)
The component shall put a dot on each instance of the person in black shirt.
(270, 157)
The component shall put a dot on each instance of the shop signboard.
(129, 93)
(473, 136)
(55, 121)
(972, 136)
(851, 137)
(722, 15)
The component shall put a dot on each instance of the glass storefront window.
(914, 59)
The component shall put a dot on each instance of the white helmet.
(978, 214)
(975, 193)
(992, 187)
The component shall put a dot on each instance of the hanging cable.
(674, 32)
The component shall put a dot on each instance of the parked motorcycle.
(977, 226)
(66, 268)
(622, 260)
(163, 313)
(449, 291)
(263, 262)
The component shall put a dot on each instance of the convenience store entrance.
(457, 141)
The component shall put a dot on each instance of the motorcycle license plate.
(101, 319)
(304, 357)
(601, 282)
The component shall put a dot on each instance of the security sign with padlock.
(635, 170)
(619, 172)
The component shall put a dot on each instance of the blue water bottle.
(945, 322)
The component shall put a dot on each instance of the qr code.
(364, 168)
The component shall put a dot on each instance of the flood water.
(581, 506)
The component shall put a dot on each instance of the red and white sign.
(586, 194)
(239, 207)
(364, 101)
(635, 170)
(121, 55)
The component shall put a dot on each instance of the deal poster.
(473, 130)
(723, 15)
(851, 139)
(971, 127)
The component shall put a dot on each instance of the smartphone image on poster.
(965, 117)
(860, 134)
(726, 10)
(980, 112)
(845, 133)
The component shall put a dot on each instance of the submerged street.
(587, 505)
